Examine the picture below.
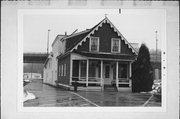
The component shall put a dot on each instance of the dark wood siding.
(105, 33)
(64, 79)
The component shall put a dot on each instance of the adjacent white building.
(50, 66)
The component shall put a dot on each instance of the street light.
(48, 42)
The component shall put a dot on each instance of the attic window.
(94, 44)
(115, 45)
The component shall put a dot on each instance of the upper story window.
(115, 45)
(94, 44)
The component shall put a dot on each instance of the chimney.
(65, 33)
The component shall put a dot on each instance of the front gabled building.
(97, 57)
(50, 65)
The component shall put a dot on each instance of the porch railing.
(96, 80)
(125, 81)
(91, 80)
(122, 81)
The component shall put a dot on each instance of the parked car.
(157, 89)
(26, 81)
(28, 96)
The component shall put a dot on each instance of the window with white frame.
(64, 69)
(61, 70)
(115, 45)
(94, 44)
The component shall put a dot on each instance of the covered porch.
(98, 73)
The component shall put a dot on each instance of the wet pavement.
(48, 96)
(120, 99)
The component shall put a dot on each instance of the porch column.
(130, 73)
(71, 68)
(102, 84)
(79, 69)
(87, 72)
(130, 69)
(117, 80)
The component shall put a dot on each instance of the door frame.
(107, 81)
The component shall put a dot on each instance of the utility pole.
(156, 69)
(156, 45)
(48, 42)
(31, 70)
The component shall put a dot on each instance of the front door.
(107, 74)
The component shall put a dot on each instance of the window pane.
(99, 70)
(75, 72)
(92, 69)
(94, 44)
(83, 68)
(122, 71)
(114, 71)
(64, 69)
(115, 45)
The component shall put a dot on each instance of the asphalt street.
(48, 96)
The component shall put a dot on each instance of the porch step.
(124, 89)
(89, 88)
(109, 88)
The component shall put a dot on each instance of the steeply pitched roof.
(73, 41)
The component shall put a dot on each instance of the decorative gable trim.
(91, 33)
(122, 37)
(105, 20)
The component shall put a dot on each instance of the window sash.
(94, 44)
(115, 45)
(83, 69)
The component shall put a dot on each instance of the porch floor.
(108, 88)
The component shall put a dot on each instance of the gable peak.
(95, 28)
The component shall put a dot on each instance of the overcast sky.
(136, 25)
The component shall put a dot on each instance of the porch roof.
(107, 55)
